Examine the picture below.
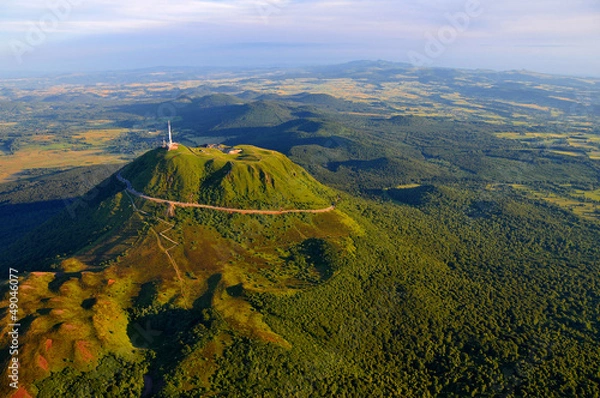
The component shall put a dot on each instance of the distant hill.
(220, 112)
(216, 100)
(256, 114)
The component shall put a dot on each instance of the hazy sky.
(555, 36)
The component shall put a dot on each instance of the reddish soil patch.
(68, 326)
(42, 362)
(205, 257)
(273, 338)
(270, 339)
(58, 312)
(21, 393)
(83, 348)
(48, 344)
(110, 282)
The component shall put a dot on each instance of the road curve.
(131, 190)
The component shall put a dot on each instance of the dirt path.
(218, 208)
(173, 263)
(162, 248)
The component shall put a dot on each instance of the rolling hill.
(123, 260)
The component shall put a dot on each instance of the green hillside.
(102, 222)
(115, 262)
(224, 112)
(253, 179)
(216, 100)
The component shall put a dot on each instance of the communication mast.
(171, 145)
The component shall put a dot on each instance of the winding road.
(172, 204)
(131, 190)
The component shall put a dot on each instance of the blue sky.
(553, 36)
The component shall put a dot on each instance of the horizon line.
(11, 75)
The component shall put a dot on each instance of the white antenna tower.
(170, 135)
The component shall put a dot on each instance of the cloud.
(355, 28)
(91, 15)
(375, 16)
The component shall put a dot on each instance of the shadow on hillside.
(373, 164)
(205, 301)
(281, 139)
(18, 219)
(415, 196)
(172, 332)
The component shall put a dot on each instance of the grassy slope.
(256, 178)
(103, 226)
(82, 316)
(85, 318)
(100, 214)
